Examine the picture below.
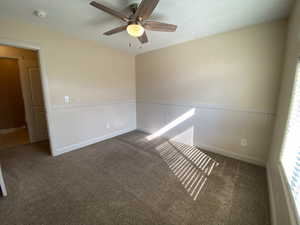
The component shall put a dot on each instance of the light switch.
(67, 99)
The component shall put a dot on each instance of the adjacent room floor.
(14, 138)
(129, 180)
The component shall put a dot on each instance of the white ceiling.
(195, 18)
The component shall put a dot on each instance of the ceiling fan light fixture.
(135, 30)
(137, 21)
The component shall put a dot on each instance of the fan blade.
(143, 39)
(157, 26)
(145, 9)
(110, 11)
(116, 30)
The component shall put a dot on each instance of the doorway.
(13, 128)
(22, 110)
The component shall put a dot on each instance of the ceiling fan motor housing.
(133, 7)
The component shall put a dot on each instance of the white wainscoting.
(76, 126)
(217, 129)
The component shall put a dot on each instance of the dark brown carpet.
(129, 180)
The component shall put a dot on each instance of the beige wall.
(282, 208)
(98, 79)
(225, 69)
(86, 70)
(231, 79)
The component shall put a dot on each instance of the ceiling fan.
(137, 22)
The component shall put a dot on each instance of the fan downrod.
(133, 7)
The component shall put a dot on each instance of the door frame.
(44, 79)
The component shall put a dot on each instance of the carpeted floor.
(129, 180)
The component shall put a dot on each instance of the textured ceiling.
(195, 18)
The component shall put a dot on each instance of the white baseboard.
(233, 155)
(227, 153)
(10, 130)
(91, 141)
(271, 197)
(213, 149)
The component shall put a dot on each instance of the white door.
(34, 101)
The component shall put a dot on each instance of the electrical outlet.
(244, 142)
(107, 125)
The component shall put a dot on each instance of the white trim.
(18, 44)
(25, 45)
(271, 196)
(91, 141)
(278, 170)
(46, 95)
(226, 153)
(233, 155)
(10, 130)
(2, 184)
(78, 106)
(210, 106)
(288, 195)
(293, 213)
(27, 100)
